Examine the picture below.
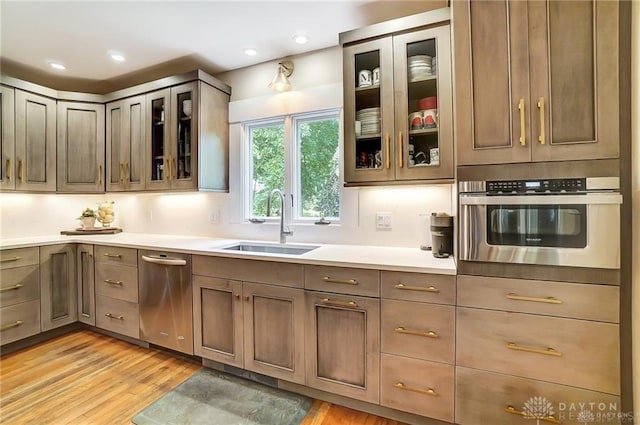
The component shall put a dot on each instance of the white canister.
(364, 78)
(376, 76)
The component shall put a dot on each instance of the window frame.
(292, 170)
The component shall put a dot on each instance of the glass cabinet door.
(423, 104)
(158, 136)
(368, 109)
(184, 105)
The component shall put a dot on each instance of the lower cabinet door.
(118, 316)
(217, 320)
(417, 386)
(59, 304)
(274, 331)
(86, 285)
(343, 344)
(486, 398)
(19, 321)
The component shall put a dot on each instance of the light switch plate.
(383, 221)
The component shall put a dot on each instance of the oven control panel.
(537, 186)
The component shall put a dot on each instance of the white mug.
(434, 155)
(364, 78)
(376, 76)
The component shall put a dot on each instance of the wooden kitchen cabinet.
(383, 142)
(81, 147)
(58, 296)
(187, 138)
(33, 168)
(86, 284)
(251, 325)
(125, 139)
(8, 138)
(536, 81)
(343, 344)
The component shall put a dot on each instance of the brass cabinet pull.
(11, 288)
(8, 260)
(106, 254)
(541, 138)
(127, 171)
(547, 351)
(111, 316)
(342, 281)
(432, 289)
(167, 167)
(388, 160)
(122, 173)
(523, 137)
(350, 304)
(400, 159)
(247, 298)
(429, 391)
(237, 296)
(428, 334)
(8, 172)
(21, 170)
(113, 282)
(548, 300)
(514, 411)
(174, 168)
(99, 173)
(11, 325)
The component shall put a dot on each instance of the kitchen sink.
(271, 248)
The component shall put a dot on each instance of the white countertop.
(358, 256)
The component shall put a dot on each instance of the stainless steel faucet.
(283, 233)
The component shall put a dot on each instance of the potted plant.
(88, 218)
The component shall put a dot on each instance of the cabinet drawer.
(116, 281)
(19, 284)
(342, 280)
(10, 258)
(423, 331)
(492, 398)
(430, 288)
(19, 321)
(417, 386)
(118, 316)
(574, 300)
(116, 255)
(566, 351)
(283, 274)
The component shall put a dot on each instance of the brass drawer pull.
(11, 325)
(432, 289)
(113, 282)
(11, 288)
(328, 279)
(547, 351)
(428, 334)
(111, 316)
(429, 391)
(350, 304)
(514, 411)
(106, 254)
(8, 260)
(548, 300)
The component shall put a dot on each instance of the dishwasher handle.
(165, 261)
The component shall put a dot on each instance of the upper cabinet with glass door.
(398, 101)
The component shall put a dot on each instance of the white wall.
(635, 141)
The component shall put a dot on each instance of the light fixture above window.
(281, 81)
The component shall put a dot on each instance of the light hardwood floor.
(88, 378)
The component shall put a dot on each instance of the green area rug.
(215, 398)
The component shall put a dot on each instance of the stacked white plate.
(369, 120)
(420, 66)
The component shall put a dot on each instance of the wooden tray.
(92, 231)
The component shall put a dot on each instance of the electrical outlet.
(214, 216)
(383, 221)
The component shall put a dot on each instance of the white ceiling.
(81, 33)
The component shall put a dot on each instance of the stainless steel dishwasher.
(165, 300)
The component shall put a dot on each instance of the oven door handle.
(584, 199)
(165, 261)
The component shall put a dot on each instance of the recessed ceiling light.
(300, 39)
(250, 52)
(117, 57)
(57, 65)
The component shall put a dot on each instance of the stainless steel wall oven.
(571, 222)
